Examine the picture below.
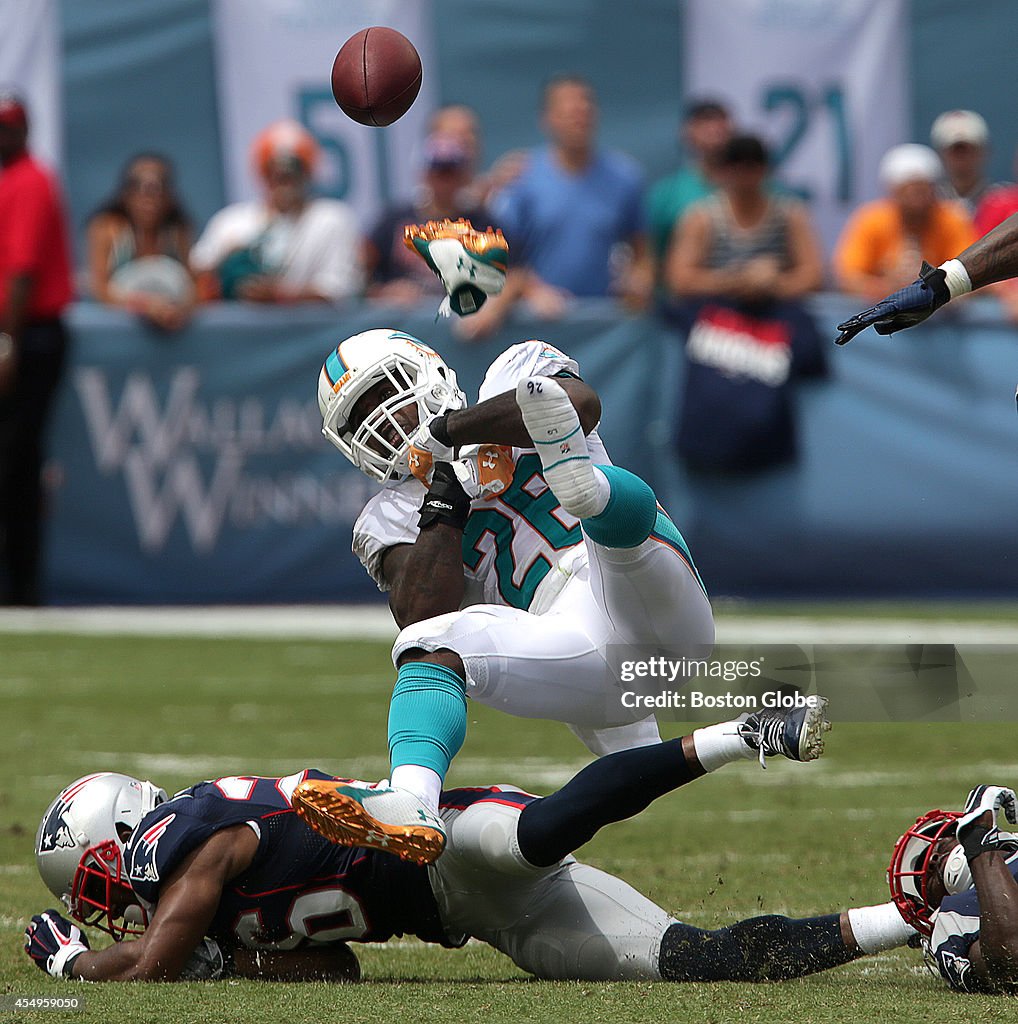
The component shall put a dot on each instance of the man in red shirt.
(35, 287)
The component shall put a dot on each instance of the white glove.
(482, 471)
(975, 837)
(54, 943)
(989, 798)
(425, 440)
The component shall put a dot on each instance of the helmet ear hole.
(124, 832)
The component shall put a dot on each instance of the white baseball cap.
(956, 126)
(909, 162)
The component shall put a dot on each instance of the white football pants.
(557, 665)
(567, 921)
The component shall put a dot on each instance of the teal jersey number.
(501, 527)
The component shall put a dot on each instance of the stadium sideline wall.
(194, 471)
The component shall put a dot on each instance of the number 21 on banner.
(805, 106)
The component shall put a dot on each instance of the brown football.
(376, 76)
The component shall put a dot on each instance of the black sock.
(613, 788)
(768, 948)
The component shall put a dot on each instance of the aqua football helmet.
(79, 849)
(376, 437)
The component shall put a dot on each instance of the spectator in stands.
(573, 218)
(997, 204)
(884, 241)
(288, 246)
(35, 288)
(739, 265)
(706, 127)
(138, 245)
(460, 121)
(961, 139)
(744, 242)
(393, 273)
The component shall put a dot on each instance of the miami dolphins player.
(516, 557)
(954, 877)
(225, 877)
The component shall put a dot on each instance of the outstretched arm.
(499, 421)
(992, 258)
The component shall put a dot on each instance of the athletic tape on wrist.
(957, 278)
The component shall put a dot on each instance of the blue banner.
(192, 469)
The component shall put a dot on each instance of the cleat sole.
(811, 739)
(342, 820)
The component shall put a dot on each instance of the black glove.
(905, 308)
(446, 501)
(54, 943)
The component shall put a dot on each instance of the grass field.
(794, 839)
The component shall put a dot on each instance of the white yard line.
(319, 622)
(373, 622)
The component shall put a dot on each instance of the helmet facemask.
(908, 874)
(101, 895)
(380, 443)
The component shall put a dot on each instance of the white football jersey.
(511, 542)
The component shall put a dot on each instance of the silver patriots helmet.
(79, 848)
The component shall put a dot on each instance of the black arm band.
(439, 428)
(446, 501)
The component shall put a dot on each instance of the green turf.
(794, 839)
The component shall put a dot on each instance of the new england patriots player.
(990, 259)
(515, 555)
(226, 876)
(953, 877)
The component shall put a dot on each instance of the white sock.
(604, 492)
(554, 425)
(424, 783)
(720, 744)
(878, 928)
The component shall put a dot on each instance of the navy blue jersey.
(955, 929)
(299, 887)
